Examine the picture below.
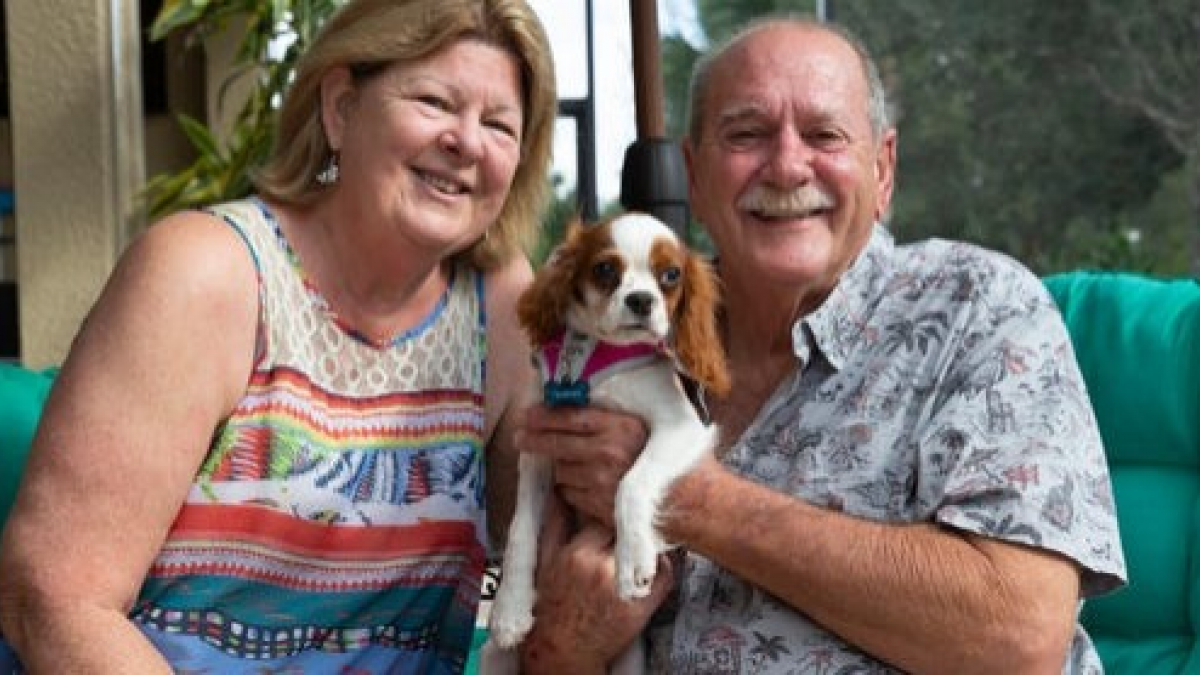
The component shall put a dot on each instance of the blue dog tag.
(563, 392)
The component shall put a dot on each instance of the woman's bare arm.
(161, 359)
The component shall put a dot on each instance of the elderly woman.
(266, 450)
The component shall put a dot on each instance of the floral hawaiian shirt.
(937, 383)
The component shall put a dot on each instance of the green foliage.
(563, 209)
(275, 33)
(1003, 140)
(678, 57)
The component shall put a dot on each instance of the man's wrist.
(686, 501)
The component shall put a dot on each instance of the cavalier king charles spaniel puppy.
(622, 316)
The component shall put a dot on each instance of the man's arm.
(920, 596)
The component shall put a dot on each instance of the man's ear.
(885, 174)
(337, 93)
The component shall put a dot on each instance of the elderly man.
(911, 478)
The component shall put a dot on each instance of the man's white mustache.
(783, 203)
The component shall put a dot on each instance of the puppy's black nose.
(640, 303)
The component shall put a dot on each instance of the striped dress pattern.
(337, 523)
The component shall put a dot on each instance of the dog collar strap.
(572, 360)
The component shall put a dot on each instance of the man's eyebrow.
(739, 112)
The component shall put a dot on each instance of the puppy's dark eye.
(669, 277)
(604, 273)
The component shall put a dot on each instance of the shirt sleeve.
(1011, 449)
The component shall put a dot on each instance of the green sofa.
(22, 394)
(1138, 343)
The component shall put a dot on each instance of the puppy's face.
(631, 280)
(628, 280)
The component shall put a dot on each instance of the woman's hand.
(591, 449)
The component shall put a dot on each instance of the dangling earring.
(329, 174)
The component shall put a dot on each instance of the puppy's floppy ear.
(542, 308)
(697, 342)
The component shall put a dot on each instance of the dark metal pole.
(585, 127)
(653, 177)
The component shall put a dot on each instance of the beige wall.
(79, 150)
(76, 159)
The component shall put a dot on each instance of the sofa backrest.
(1138, 344)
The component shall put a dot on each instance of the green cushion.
(1137, 340)
(22, 395)
(1147, 655)
(1155, 507)
(477, 641)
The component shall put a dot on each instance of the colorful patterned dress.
(337, 524)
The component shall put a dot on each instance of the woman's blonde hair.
(366, 35)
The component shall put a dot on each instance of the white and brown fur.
(626, 280)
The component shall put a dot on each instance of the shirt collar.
(835, 328)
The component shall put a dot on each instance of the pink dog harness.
(572, 360)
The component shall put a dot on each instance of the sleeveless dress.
(337, 523)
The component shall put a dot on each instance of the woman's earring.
(329, 174)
